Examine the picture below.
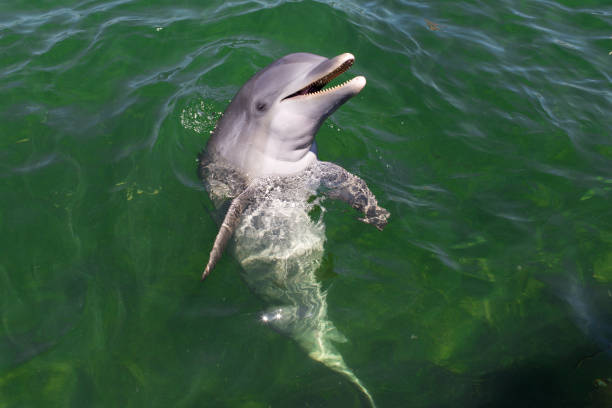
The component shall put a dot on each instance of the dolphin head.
(269, 126)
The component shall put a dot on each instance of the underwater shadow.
(579, 380)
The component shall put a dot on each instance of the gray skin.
(261, 159)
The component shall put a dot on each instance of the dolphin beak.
(326, 71)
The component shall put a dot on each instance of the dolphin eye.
(261, 106)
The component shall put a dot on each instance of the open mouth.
(317, 86)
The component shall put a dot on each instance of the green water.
(485, 133)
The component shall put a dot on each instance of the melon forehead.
(276, 77)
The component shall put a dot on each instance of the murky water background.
(485, 129)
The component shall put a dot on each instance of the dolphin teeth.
(316, 87)
(322, 91)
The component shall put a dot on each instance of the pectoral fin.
(341, 185)
(227, 229)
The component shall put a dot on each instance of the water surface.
(484, 129)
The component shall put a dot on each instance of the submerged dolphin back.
(280, 248)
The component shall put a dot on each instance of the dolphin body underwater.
(262, 157)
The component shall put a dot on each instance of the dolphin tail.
(327, 355)
(310, 328)
(319, 346)
(231, 220)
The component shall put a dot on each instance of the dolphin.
(260, 166)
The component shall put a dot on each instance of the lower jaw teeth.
(319, 86)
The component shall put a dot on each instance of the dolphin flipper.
(232, 217)
(340, 184)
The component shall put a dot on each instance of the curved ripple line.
(36, 164)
